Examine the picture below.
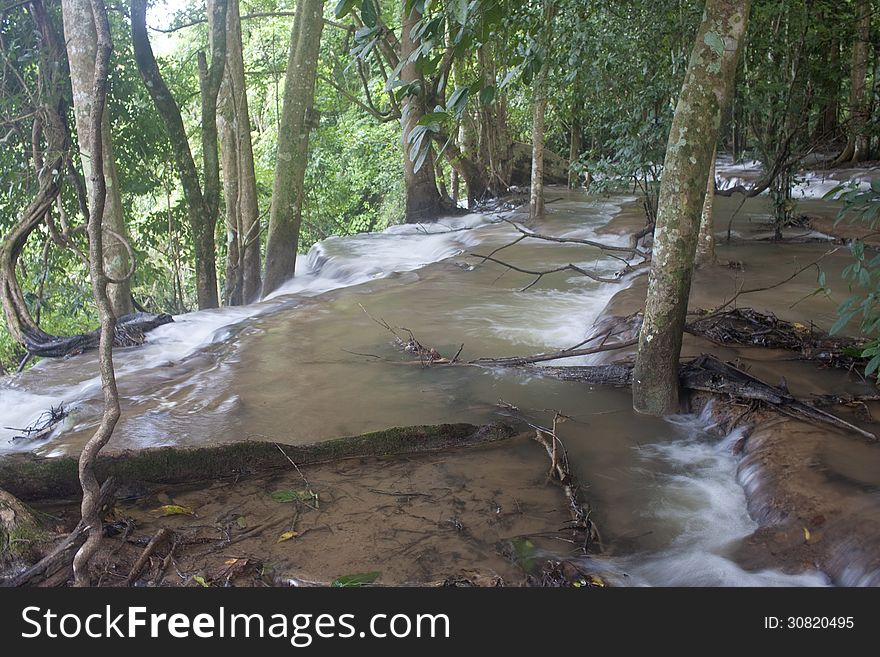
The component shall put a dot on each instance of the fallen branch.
(798, 272)
(158, 539)
(540, 274)
(516, 361)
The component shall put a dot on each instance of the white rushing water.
(332, 264)
(693, 488)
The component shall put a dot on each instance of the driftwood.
(746, 326)
(708, 374)
(130, 331)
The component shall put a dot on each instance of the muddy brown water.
(310, 364)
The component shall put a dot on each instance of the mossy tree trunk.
(705, 93)
(285, 216)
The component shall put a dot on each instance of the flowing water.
(310, 364)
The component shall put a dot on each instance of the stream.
(310, 364)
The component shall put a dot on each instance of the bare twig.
(160, 537)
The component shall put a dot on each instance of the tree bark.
(82, 44)
(285, 216)
(210, 80)
(705, 93)
(574, 152)
(201, 222)
(423, 200)
(91, 512)
(539, 110)
(706, 239)
(857, 146)
(243, 277)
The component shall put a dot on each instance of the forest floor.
(399, 520)
(812, 488)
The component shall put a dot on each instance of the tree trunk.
(857, 147)
(243, 277)
(827, 127)
(705, 93)
(91, 511)
(574, 152)
(201, 222)
(82, 44)
(423, 200)
(293, 144)
(536, 196)
(539, 109)
(706, 240)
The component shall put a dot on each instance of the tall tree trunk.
(202, 222)
(423, 200)
(574, 152)
(705, 93)
(706, 239)
(285, 215)
(243, 280)
(827, 127)
(856, 147)
(82, 45)
(91, 512)
(539, 109)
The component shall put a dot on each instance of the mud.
(414, 520)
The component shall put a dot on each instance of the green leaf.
(525, 553)
(289, 495)
(343, 7)
(357, 579)
(487, 95)
(461, 13)
(368, 13)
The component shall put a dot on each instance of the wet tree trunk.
(285, 215)
(705, 93)
(201, 221)
(423, 199)
(706, 239)
(243, 280)
(82, 44)
(539, 110)
(857, 143)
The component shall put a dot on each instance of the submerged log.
(130, 331)
(30, 477)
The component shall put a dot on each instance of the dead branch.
(516, 361)
(158, 539)
(572, 240)
(540, 274)
(798, 272)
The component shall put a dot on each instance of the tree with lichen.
(704, 95)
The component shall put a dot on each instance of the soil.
(346, 517)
